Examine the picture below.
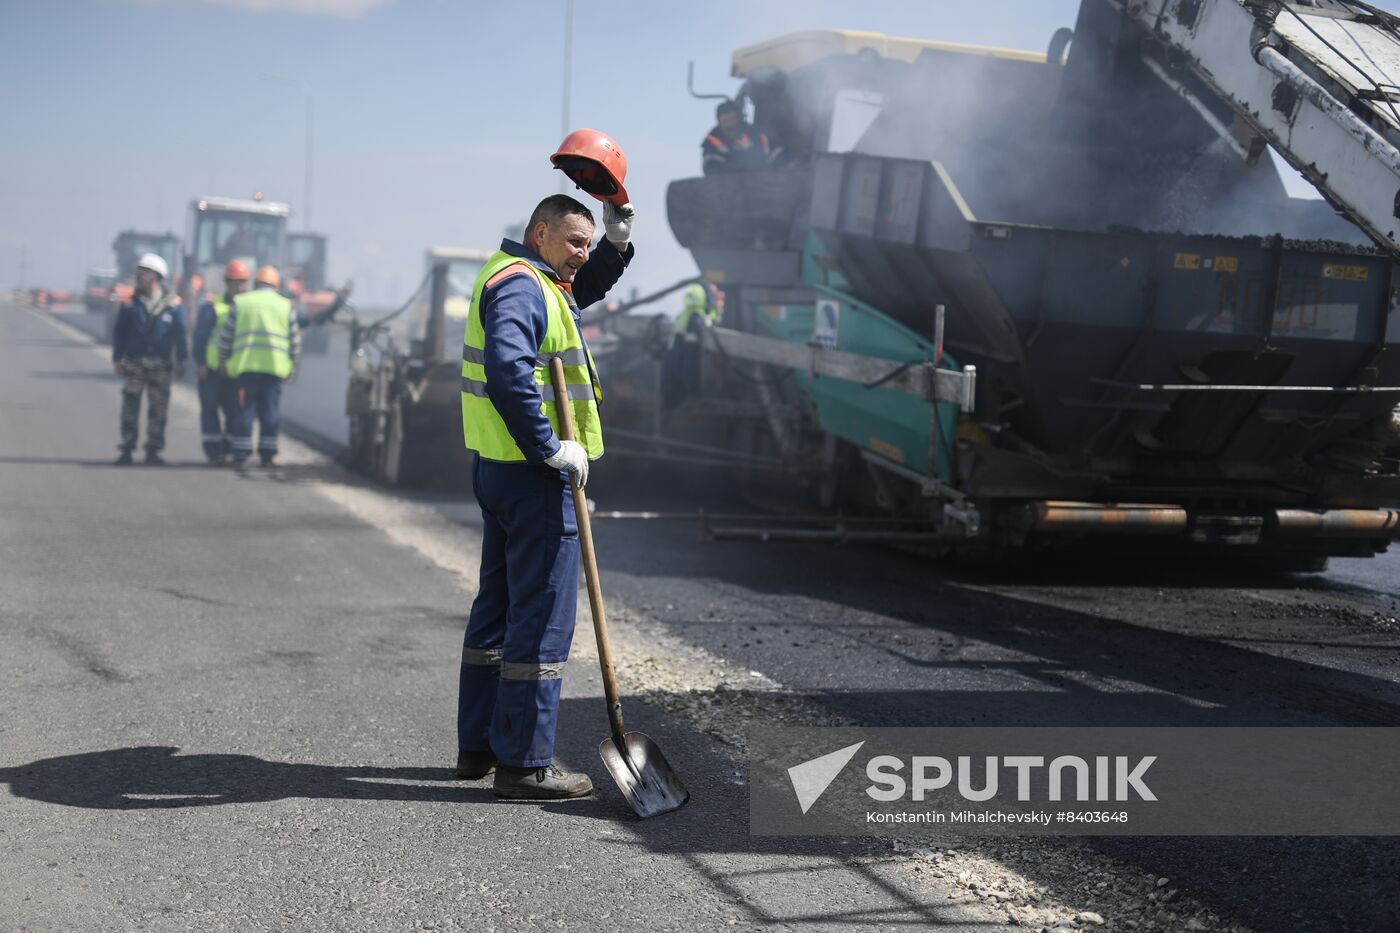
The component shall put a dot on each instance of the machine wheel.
(361, 443)
(392, 455)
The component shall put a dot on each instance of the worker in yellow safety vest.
(524, 312)
(216, 400)
(680, 367)
(258, 349)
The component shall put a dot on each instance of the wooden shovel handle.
(590, 560)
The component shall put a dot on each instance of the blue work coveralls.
(218, 405)
(522, 621)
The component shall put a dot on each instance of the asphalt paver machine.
(1099, 313)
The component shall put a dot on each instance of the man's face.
(235, 286)
(729, 121)
(146, 281)
(563, 244)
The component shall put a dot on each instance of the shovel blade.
(648, 783)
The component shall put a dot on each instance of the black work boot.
(153, 458)
(123, 459)
(474, 765)
(550, 782)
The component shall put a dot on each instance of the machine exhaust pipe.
(1058, 517)
(1337, 523)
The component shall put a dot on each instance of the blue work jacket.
(137, 334)
(204, 323)
(515, 319)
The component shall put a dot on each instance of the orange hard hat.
(594, 161)
(236, 271)
(268, 275)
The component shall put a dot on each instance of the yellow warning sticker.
(1187, 261)
(1335, 270)
(1227, 264)
(886, 449)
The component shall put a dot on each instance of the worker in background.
(306, 319)
(734, 145)
(258, 349)
(680, 368)
(524, 309)
(217, 406)
(699, 309)
(149, 333)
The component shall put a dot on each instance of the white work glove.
(574, 458)
(617, 222)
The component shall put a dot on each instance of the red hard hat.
(268, 275)
(235, 271)
(594, 161)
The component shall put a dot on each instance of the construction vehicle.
(403, 397)
(224, 229)
(97, 290)
(306, 261)
(1004, 298)
(127, 248)
(1130, 329)
(305, 276)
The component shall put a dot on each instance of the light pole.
(306, 184)
(568, 75)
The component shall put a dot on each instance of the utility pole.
(306, 185)
(306, 191)
(568, 76)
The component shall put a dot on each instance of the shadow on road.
(157, 777)
(85, 375)
(105, 464)
(1295, 884)
(56, 343)
(711, 835)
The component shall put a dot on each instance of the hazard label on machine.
(1187, 261)
(1345, 273)
(826, 330)
(885, 449)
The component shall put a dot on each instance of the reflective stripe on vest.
(211, 349)
(262, 335)
(483, 429)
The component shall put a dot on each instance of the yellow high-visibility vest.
(211, 349)
(262, 335)
(482, 426)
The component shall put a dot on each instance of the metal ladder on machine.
(1319, 81)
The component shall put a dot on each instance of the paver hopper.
(1165, 342)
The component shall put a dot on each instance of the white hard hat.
(155, 263)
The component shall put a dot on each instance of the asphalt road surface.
(231, 701)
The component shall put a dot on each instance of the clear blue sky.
(433, 122)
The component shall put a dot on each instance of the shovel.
(635, 763)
